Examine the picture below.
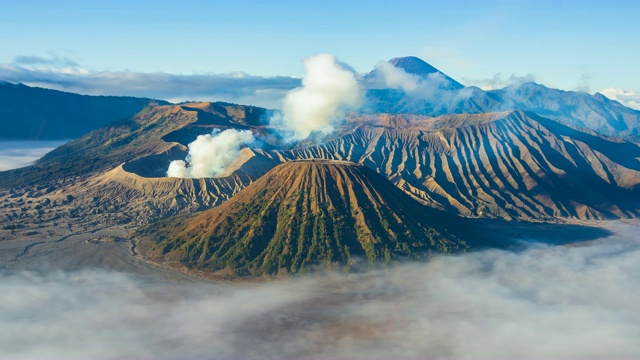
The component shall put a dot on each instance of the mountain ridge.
(33, 113)
(595, 112)
(152, 131)
(512, 165)
(517, 166)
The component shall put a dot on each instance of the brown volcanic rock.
(307, 213)
(508, 165)
(426, 123)
(154, 133)
(119, 171)
(504, 165)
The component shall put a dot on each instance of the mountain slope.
(512, 165)
(117, 174)
(153, 131)
(416, 66)
(469, 100)
(595, 112)
(43, 114)
(302, 214)
(509, 165)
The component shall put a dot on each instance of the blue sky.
(588, 45)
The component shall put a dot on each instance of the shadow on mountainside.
(515, 235)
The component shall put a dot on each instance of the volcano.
(304, 214)
(416, 66)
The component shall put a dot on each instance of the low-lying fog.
(544, 302)
(15, 154)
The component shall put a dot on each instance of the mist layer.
(543, 302)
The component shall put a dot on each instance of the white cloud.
(236, 87)
(628, 98)
(540, 303)
(101, 315)
(328, 89)
(417, 91)
(210, 154)
(15, 154)
(386, 75)
(397, 78)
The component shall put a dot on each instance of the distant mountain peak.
(413, 65)
(416, 66)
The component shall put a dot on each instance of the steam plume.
(328, 89)
(210, 154)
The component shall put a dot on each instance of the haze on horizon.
(251, 52)
(16, 154)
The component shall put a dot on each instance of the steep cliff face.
(307, 213)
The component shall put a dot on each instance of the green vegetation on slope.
(306, 214)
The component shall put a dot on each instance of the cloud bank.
(63, 74)
(628, 98)
(210, 154)
(540, 303)
(15, 154)
(328, 89)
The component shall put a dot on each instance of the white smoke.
(628, 98)
(328, 89)
(210, 154)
